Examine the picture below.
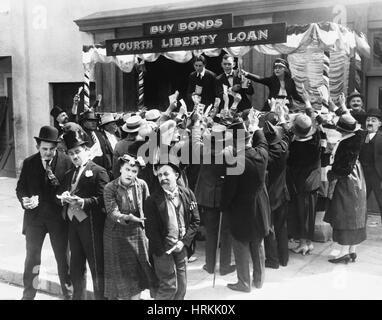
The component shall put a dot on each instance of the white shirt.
(202, 73)
(112, 139)
(370, 136)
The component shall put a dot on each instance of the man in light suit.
(371, 155)
(82, 196)
(40, 177)
(202, 82)
(233, 80)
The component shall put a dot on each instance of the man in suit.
(245, 200)
(355, 103)
(371, 155)
(40, 177)
(109, 129)
(82, 196)
(172, 222)
(101, 149)
(60, 118)
(202, 82)
(233, 80)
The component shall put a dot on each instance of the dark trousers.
(211, 218)
(276, 244)
(302, 215)
(373, 183)
(86, 244)
(171, 270)
(243, 251)
(35, 235)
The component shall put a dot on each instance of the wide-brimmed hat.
(74, 139)
(354, 94)
(303, 126)
(273, 134)
(56, 111)
(88, 115)
(48, 134)
(132, 124)
(153, 115)
(107, 118)
(347, 123)
(374, 112)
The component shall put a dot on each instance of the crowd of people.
(128, 193)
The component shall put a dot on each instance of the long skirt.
(347, 208)
(127, 268)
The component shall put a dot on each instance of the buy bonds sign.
(232, 37)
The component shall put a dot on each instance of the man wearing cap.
(101, 150)
(81, 194)
(130, 129)
(172, 220)
(231, 79)
(109, 129)
(40, 177)
(355, 103)
(60, 118)
(371, 155)
(202, 82)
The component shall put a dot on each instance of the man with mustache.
(355, 103)
(172, 220)
(371, 155)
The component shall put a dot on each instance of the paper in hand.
(183, 104)
(207, 112)
(323, 90)
(172, 98)
(171, 250)
(225, 89)
(198, 89)
(80, 90)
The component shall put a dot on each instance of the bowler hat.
(374, 112)
(303, 126)
(347, 123)
(132, 124)
(74, 139)
(48, 134)
(88, 115)
(273, 134)
(56, 111)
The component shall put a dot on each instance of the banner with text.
(232, 37)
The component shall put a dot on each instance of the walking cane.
(217, 247)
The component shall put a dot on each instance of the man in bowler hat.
(41, 176)
(81, 194)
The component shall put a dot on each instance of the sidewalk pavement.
(305, 277)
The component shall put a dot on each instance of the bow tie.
(229, 75)
(172, 195)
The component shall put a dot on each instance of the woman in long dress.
(347, 191)
(127, 268)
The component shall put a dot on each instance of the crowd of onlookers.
(132, 192)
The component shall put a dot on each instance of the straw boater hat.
(153, 115)
(346, 123)
(48, 134)
(132, 124)
(107, 118)
(303, 127)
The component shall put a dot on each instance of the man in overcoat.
(82, 196)
(245, 200)
(40, 177)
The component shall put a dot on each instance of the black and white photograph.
(205, 151)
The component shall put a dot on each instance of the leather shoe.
(227, 270)
(238, 287)
(206, 269)
(344, 259)
(272, 265)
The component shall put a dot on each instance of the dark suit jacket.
(208, 82)
(90, 187)
(273, 84)
(245, 103)
(244, 197)
(377, 152)
(32, 182)
(155, 209)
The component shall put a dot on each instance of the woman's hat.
(153, 115)
(132, 160)
(281, 62)
(74, 139)
(107, 118)
(56, 111)
(48, 134)
(273, 134)
(303, 126)
(132, 124)
(347, 123)
(374, 112)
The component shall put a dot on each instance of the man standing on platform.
(40, 177)
(371, 155)
(202, 82)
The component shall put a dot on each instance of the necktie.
(75, 175)
(367, 140)
(50, 175)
